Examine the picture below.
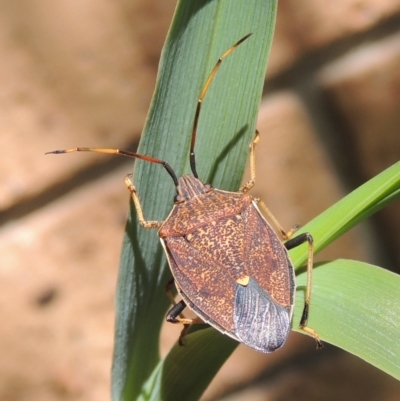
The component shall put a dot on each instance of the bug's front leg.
(144, 223)
(250, 184)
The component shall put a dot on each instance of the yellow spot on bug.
(243, 281)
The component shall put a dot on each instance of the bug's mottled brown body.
(228, 264)
(216, 239)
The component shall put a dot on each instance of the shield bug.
(229, 266)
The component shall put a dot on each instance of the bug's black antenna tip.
(244, 38)
(56, 152)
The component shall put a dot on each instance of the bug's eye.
(179, 199)
(208, 187)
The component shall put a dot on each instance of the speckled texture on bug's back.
(214, 240)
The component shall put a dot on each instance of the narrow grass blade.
(349, 211)
(201, 31)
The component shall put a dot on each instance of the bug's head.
(190, 187)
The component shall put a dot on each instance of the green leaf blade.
(200, 33)
(186, 371)
(349, 211)
(356, 306)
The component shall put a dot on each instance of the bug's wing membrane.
(260, 322)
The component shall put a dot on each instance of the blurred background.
(81, 73)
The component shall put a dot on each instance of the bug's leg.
(176, 310)
(250, 184)
(173, 316)
(144, 223)
(171, 297)
(293, 243)
(201, 98)
(285, 235)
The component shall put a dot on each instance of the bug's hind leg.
(293, 243)
(175, 313)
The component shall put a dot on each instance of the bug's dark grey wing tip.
(260, 322)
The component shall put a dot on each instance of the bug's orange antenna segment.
(200, 101)
(122, 153)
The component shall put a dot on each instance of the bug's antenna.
(122, 153)
(200, 101)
